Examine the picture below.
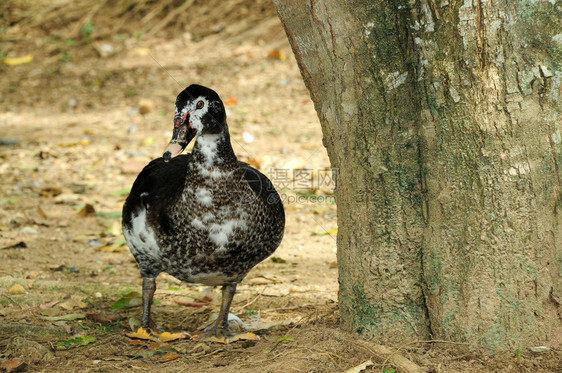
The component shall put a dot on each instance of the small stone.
(17, 289)
(97, 294)
(247, 137)
(67, 198)
(29, 230)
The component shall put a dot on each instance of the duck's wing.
(263, 187)
(158, 185)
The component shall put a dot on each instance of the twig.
(14, 302)
(253, 300)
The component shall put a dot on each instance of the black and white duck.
(203, 217)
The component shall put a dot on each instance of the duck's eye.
(200, 105)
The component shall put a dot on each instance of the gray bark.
(443, 119)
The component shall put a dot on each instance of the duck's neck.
(214, 152)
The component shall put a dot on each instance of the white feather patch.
(204, 197)
(139, 228)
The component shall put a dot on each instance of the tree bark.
(443, 120)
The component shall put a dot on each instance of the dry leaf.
(41, 212)
(87, 210)
(205, 301)
(17, 289)
(277, 54)
(71, 304)
(111, 248)
(359, 367)
(45, 305)
(255, 162)
(69, 317)
(169, 356)
(231, 100)
(51, 191)
(13, 365)
(20, 244)
(103, 317)
(13, 61)
(142, 333)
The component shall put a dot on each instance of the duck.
(203, 217)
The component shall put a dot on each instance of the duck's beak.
(183, 134)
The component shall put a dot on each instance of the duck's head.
(199, 111)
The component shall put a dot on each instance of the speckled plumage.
(202, 217)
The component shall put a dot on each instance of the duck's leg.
(220, 327)
(148, 289)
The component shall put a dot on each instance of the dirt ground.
(80, 120)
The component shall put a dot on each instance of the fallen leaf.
(87, 210)
(51, 191)
(359, 367)
(205, 301)
(83, 142)
(226, 340)
(255, 162)
(72, 304)
(46, 305)
(231, 100)
(17, 289)
(131, 299)
(75, 342)
(277, 54)
(147, 141)
(276, 259)
(41, 212)
(13, 365)
(103, 317)
(325, 233)
(166, 336)
(169, 356)
(17, 245)
(142, 333)
(134, 323)
(67, 317)
(60, 268)
(13, 61)
(136, 342)
(111, 248)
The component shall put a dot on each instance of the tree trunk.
(443, 120)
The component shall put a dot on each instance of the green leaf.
(119, 242)
(129, 300)
(276, 259)
(111, 214)
(75, 342)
